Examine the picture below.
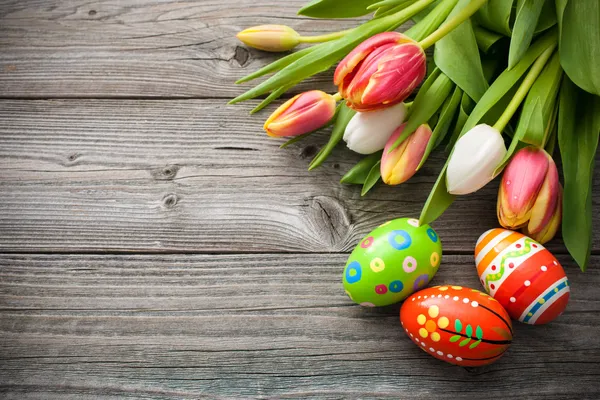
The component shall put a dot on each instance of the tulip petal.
(275, 38)
(399, 72)
(474, 159)
(547, 200)
(521, 183)
(401, 164)
(551, 228)
(368, 132)
(301, 114)
(360, 52)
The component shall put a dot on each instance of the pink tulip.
(381, 71)
(301, 114)
(530, 193)
(401, 164)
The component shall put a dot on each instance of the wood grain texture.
(194, 176)
(268, 325)
(142, 48)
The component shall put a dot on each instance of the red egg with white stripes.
(522, 275)
(458, 325)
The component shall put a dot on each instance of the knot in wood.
(241, 55)
(330, 221)
(170, 200)
(165, 173)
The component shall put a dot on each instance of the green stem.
(324, 38)
(454, 22)
(337, 96)
(519, 96)
(399, 17)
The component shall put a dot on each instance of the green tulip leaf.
(276, 65)
(547, 18)
(457, 56)
(579, 42)
(528, 14)
(539, 105)
(486, 39)
(333, 9)
(438, 201)
(578, 131)
(466, 107)
(373, 177)
(343, 116)
(274, 95)
(432, 20)
(296, 139)
(359, 173)
(443, 124)
(495, 15)
(425, 106)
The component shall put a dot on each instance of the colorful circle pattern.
(391, 262)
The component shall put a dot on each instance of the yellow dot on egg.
(444, 288)
(423, 332)
(435, 337)
(377, 264)
(433, 311)
(556, 290)
(457, 287)
(542, 301)
(529, 314)
(421, 319)
(434, 259)
(443, 322)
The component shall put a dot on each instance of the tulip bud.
(474, 160)
(400, 164)
(301, 114)
(530, 194)
(368, 132)
(274, 38)
(381, 71)
(549, 231)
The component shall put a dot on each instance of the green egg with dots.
(395, 260)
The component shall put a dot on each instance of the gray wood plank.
(145, 48)
(269, 325)
(195, 175)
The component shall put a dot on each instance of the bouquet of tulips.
(506, 82)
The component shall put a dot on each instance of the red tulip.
(301, 114)
(530, 194)
(381, 71)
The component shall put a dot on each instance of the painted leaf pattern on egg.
(458, 325)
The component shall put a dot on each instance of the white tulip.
(368, 132)
(474, 159)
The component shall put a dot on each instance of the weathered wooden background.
(154, 243)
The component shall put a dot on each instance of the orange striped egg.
(522, 275)
(458, 325)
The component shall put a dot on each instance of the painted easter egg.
(522, 275)
(456, 324)
(393, 261)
